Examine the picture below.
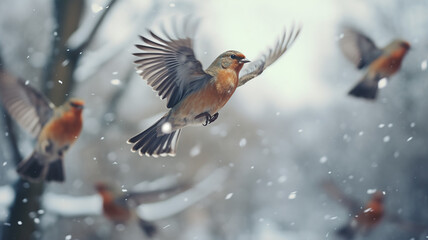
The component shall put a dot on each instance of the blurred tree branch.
(20, 224)
(78, 47)
(58, 74)
(57, 85)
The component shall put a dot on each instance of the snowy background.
(279, 136)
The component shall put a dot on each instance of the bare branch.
(77, 43)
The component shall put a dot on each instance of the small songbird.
(194, 95)
(120, 209)
(56, 128)
(365, 217)
(380, 62)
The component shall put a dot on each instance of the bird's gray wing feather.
(257, 67)
(170, 67)
(28, 107)
(358, 48)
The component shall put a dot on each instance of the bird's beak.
(244, 60)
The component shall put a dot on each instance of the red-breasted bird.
(120, 208)
(194, 96)
(380, 62)
(56, 128)
(364, 217)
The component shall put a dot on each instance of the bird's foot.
(208, 118)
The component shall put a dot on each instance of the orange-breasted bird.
(380, 62)
(56, 128)
(120, 209)
(194, 96)
(364, 217)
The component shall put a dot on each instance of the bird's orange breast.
(390, 64)
(213, 96)
(116, 213)
(112, 210)
(65, 129)
(372, 215)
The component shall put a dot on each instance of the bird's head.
(399, 44)
(75, 106)
(378, 196)
(230, 60)
(102, 187)
(405, 44)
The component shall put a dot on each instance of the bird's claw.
(208, 118)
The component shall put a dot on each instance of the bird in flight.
(121, 208)
(366, 217)
(194, 96)
(380, 62)
(56, 128)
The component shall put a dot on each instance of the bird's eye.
(75, 105)
(233, 56)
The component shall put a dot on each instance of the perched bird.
(120, 209)
(380, 62)
(194, 95)
(56, 128)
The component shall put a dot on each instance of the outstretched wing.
(256, 68)
(170, 67)
(358, 48)
(336, 193)
(28, 107)
(134, 199)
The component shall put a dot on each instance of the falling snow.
(95, 7)
(371, 190)
(195, 151)
(166, 128)
(115, 82)
(382, 83)
(243, 142)
(424, 65)
(323, 159)
(386, 138)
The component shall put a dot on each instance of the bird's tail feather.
(346, 232)
(365, 88)
(56, 171)
(151, 143)
(32, 168)
(149, 228)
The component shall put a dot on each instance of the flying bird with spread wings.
(366, 217)
(121, 208)
(380, 62)
(194, 96)
(56, 128)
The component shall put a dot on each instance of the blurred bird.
(194, 95)
(56, 128)
(366, 217)
(381, 62)
(121, 209)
